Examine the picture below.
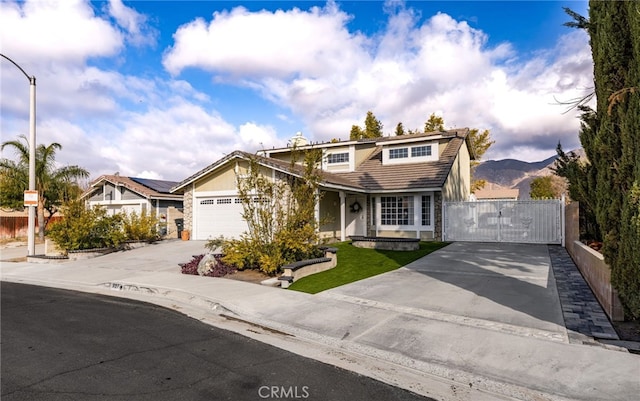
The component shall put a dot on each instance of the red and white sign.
(31, 198)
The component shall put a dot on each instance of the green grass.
(358, 263)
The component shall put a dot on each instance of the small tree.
(280, 215)
(372, 128)
(356, 133)
(580, 177)
(399, 129)
(55, 185)
(547, 187)
(480, 143)
(434, 123)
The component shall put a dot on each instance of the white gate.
(533, 221)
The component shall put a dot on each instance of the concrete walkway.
(468, 322)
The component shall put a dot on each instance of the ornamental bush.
(86, 228)
(140, 227)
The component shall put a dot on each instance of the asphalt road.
(66, 345)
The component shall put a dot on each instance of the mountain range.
(515, 174)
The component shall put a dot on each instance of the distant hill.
(511, 173)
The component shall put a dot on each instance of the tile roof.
(151, 189)
(327, 178)
(373, 176)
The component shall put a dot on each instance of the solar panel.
(156, 185)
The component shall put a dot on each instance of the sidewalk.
(432, 352)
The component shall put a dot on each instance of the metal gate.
(534, 221)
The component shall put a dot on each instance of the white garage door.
(216, 216)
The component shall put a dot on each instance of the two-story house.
(386, 187)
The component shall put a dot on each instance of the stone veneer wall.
(188, 209)
(437, 235)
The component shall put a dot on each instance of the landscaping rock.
(207, 264)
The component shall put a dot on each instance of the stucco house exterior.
(386, 187)
(128, 194)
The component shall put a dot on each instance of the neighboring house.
(128, 194)
(496, 194)
(389, 186)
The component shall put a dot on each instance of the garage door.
(216, 216)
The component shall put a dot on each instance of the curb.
(421, 377)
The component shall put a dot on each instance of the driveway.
(478, 283)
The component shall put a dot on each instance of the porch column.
(343, 213)
(317, 211)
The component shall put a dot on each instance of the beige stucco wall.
(363, 152)
(457, 186)
(330, 215)
(222, 180)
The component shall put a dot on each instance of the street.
(66, 345)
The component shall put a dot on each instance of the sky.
(162, 89)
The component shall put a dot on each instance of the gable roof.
(328, 179)
(150, 189)
(374, 176)
(371, 175)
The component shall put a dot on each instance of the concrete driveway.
(481, 283)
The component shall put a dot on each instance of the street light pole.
(31, 234)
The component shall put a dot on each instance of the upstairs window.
(419, 151)
(336, 158)
(398, 153)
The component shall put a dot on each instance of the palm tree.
(55, 185)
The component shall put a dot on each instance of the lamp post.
(31, 235)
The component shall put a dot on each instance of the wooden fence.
(17, 226)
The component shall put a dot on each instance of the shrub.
(140, 227)
(86, 228)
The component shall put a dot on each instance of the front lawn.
(358, 263)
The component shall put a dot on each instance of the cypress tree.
(612, 140)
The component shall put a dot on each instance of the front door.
(356, 215)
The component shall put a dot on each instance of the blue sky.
(161, 89)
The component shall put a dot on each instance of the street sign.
(30, 198)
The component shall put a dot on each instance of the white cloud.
(57, 31)
(404, 73)
(267, 44)
(307, 62)
(134, 23)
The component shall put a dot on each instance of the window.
(225, 201)
(335, 158)
(399, 153)
(396, 210)
(418, 151)
(208, 202)
(426, 210)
